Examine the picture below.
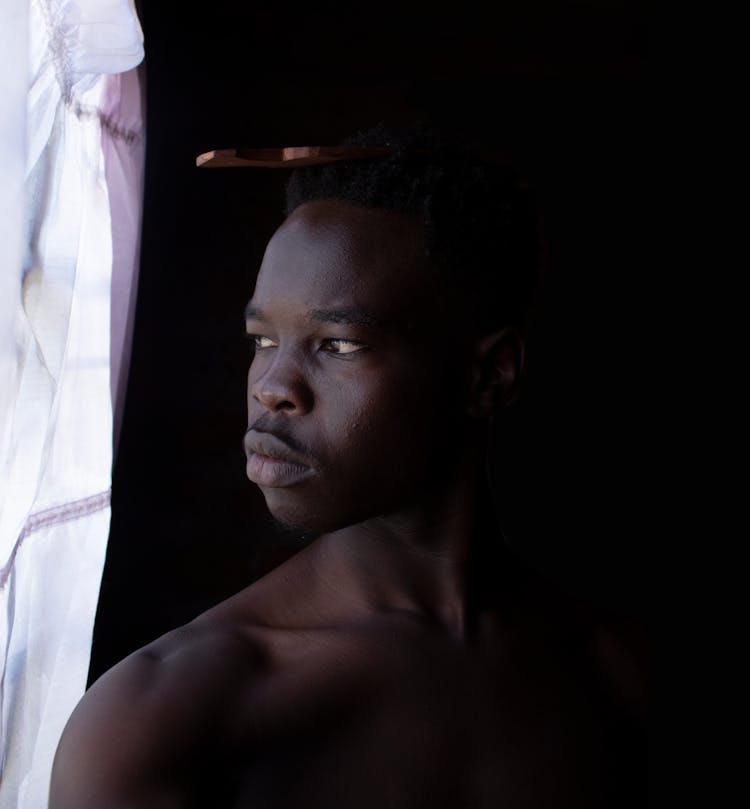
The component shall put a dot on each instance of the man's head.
(480, 229)
(385, 325)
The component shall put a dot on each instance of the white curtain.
(71, 142)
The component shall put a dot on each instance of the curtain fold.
(67, 274)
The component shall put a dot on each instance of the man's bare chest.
(367, 722)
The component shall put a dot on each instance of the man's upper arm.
(127, 741)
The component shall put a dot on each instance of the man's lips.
(270, 462)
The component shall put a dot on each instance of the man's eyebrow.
(348, 316)
(344, 316)
(254, 313)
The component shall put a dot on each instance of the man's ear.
(496, 373)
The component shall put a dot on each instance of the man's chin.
(308, 526)
(292, 532)
(291, 523)
(294, 511)
(311, 517)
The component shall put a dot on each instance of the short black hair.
(481, 228)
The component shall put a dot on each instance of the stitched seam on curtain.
(60, 51)
(129, 136)
(54, 516)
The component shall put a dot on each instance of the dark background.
(558, 87)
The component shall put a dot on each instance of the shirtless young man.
(403, 658)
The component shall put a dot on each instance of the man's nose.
(282, 386)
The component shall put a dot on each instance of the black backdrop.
(560, 88)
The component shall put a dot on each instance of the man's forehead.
(338, 215)
(351, 230)
(331, 253)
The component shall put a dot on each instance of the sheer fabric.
(72, 146)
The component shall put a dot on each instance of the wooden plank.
(289, 156)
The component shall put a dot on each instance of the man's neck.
(416, 561)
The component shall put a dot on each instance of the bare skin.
(403, 659)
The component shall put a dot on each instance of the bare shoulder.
(152, 712)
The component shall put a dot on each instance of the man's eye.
(336, 346)
(260, 342)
